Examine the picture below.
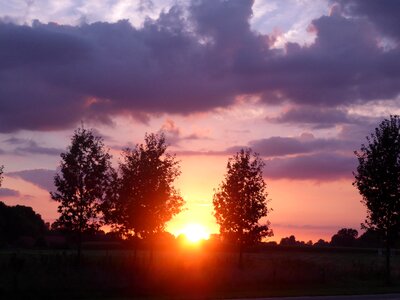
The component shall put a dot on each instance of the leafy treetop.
(378, 177)
(83, 182)
(146, 198)
(241, 200)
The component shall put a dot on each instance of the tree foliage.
(378, 177)
(145, 199)
(345, 237)
(241, 200)
(17, 221)
(83, 182)
(378, 181)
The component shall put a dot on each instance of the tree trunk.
(151, 250)
(240, 261)
(79, 247)
(134, 252)
(388, 272)
(135, 246)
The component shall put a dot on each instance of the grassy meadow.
(186, 273)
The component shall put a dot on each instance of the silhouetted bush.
(346, 237)
(20, 225)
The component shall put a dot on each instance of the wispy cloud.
(28, 147)
(42, 178)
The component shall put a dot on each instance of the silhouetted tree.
(241, 201)
(288, 241)
(82, 184)
(371, 239)
(1, 174)
(20, 221)
(321, 243)
(291, 241)
(146, 198)
(345, 237)
(378, 180)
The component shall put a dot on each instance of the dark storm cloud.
(4, 193)
(384, 14)
(343, 66)
(42, 178)
(52, 76)
(318, 167)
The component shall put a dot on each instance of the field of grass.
(190, 273)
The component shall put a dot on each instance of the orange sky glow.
(214, 77)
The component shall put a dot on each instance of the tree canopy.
(241, 200)
(378, 179)
(345, 237)
(146, 198)
(17, 221)
(83, 182)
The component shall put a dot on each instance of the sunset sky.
(300, 82)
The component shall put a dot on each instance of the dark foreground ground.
(354, 297)
(192, 274)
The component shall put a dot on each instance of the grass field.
(190, 273)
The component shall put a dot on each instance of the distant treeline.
(21, 226)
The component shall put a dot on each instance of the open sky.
(301, 82)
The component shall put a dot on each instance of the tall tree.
(378, 181)
(241, 201)
(82, 184)
(146, 198)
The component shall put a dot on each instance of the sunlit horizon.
(194, 232)
(273, 75)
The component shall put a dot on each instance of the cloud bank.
(193, 60)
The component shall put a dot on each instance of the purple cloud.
(305, 144)
(319, 117)
(52, 76)
(280, 146)
(174, 135)
(5, 192)
(42, 178)
(319, 167)
(385, 15)
(308, 226)
(317, 159)
(305, 157)
(28, 147)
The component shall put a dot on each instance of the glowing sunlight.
(195, 233)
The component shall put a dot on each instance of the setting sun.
(195, 232)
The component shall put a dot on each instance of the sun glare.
(195, 233)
